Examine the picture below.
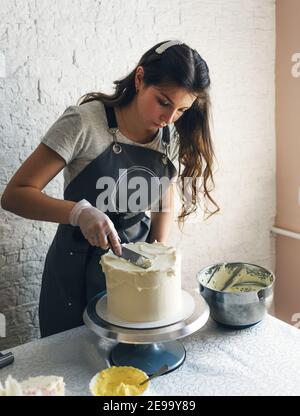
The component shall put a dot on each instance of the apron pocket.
(62, 299)
(72, 276)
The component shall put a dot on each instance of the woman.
(158, 115)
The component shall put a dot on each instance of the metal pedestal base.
(149, 357)
(148, 349)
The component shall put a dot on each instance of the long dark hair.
(181, 66)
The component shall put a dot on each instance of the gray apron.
(72, 274)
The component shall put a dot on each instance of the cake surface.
(135, 294)
(33, 386)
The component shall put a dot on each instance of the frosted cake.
(135, 294)
(33, 386)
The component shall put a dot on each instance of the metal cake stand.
(148, 349)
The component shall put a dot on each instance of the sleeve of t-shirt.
(66, 136)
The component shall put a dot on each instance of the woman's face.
(160, 105)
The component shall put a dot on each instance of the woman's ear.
(139, 75)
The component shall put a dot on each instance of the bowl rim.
(236, 262)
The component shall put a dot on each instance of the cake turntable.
(148, 345)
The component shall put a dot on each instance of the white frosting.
(135, 294)
(225, 280)
(33, 386)
(11, 387)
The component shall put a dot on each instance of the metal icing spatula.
(164, 369)
(136, 258)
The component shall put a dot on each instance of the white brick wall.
(55, 51)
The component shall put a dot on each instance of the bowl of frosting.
(119, 381)
(238, 294)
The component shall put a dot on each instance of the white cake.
(135, 294)
(33, 386)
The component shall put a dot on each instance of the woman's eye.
(164, 103)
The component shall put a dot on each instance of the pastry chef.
(156, 121)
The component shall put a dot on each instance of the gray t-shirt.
(80, 135)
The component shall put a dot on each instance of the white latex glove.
(96, 226)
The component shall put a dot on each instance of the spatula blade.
(136, 258)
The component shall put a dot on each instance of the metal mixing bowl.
(238, 294)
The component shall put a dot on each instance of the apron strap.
(129, 222)
(111, 117)
(166, 136)
(122, 222)
(113, 125)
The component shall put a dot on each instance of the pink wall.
(287, 290)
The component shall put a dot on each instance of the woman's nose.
(168, 117)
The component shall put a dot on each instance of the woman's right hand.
(99, 230)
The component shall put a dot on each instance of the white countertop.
(260, 360)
